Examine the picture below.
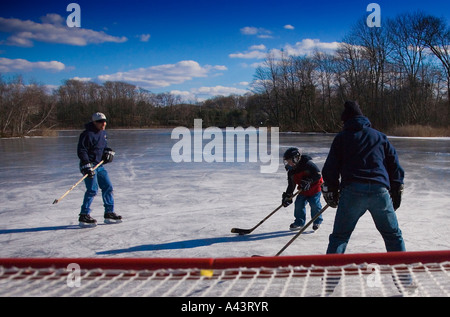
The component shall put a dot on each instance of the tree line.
(399, 73)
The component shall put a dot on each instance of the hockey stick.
(247, 231)
(76, 184)
(302, 230)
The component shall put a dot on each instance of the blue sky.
(196, 49)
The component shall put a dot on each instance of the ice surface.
(188, 209)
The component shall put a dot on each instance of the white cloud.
(308, 46)
(260, 47)
(219, 91)
(259, 32)
(82, 78)
(187, 95)
(144, 37)
(219, 67)
(8, 65)
(52, 18)
(249, 30)
(51, 30)
(161, 76)
(254, 52)
(289, 27)
(304, 47)
(204, 93)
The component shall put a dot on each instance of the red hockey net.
(381, 274)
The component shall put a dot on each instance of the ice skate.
(112, 217)
(295, 227)
(86, 221)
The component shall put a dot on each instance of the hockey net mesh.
(389, 274)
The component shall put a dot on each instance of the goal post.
(388, 258)
(368, 274)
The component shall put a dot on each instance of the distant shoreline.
(413, 131)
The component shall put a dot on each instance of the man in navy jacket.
(92, 149)
(362, 172)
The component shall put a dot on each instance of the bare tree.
(437, 39)
(266, 81)
(407, 33)
(375, 50)
(24, 108)
(326, 84)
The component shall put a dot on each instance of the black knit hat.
(351, 109)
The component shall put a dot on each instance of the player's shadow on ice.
(49, 228)
(38, 229)
(194, 243)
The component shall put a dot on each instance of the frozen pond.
(187, 209)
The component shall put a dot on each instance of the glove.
(396, 194)
(331, 195)
(305, 184)
(87, 168)
(108, 155)
(286, 199)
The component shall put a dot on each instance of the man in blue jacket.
(361, 173)
(371, 178)
(92, 149)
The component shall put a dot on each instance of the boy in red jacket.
(303, 172)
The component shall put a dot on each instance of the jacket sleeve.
(291, 184)
(395, 171)
(83, 148)
(313, 172)
(332, 167)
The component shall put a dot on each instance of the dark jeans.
(355, 200)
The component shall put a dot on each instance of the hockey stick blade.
(247, 231)
(241, 232)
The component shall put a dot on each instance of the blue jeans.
(100, 179)
(300, 208)
(355, 200)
